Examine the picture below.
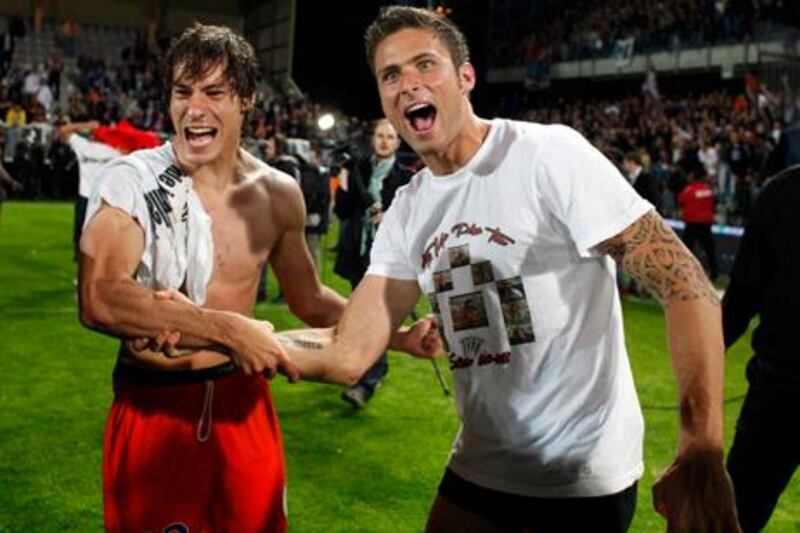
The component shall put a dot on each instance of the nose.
(409, 81)
(196, 106)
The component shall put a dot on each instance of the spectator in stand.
(697, 212)
(16, 119)
(646, 184)
(54, 75)
(67, 39)
(709, 156)
(30, 84)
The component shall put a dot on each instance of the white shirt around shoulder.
(150, 187)
(529, 310)
(91, 156)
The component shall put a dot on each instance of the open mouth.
(421, 117)
(199, 135)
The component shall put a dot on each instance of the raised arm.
(73, 127)
(112, 302)
(694, 494)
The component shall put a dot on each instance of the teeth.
(417, 107)
(200, 131)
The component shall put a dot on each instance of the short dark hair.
(633, 155)
(201, 48)
(395, 18)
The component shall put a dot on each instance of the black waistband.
(146, 376)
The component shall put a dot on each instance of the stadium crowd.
(588, 29)
(76, 85)
(735, 136)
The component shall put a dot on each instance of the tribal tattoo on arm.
(652, 253)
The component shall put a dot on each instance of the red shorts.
(201, 456)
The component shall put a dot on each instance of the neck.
(461, 149)
(217, 174)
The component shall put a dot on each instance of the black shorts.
(601, 514)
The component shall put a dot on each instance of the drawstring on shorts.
(204, 424)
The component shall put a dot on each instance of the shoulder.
(261, 177)
(270, 189)
(534, 141)
(784, 183)
(405, 194)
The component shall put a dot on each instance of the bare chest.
(235, 256)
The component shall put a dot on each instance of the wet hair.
(201, 48)
(395, 18)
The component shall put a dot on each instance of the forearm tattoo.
(293, 340)
(653, 254)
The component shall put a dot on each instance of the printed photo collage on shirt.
(468, 311)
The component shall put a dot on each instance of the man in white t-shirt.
(512, 231)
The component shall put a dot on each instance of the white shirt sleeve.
(389, 257)
(119, 186)
(585, 191)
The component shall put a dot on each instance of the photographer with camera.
(360, 201)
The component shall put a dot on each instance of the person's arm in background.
(8, 181)
(66, 130)
(751, 269)
(695, 493)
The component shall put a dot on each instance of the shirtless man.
(194, 441)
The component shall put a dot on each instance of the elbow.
(309, 310)
(347, 367)
(353, 368)
(350, 374)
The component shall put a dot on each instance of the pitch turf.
(375, 470)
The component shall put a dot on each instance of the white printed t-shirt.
(530, 313)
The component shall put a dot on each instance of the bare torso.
(248, 219)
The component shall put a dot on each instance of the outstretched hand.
(695, 495)
(257, 350)
(420, 340)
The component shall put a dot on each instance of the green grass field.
(375, 470)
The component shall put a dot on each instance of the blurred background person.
(361, 200)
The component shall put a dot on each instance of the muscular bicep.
(652, 253)
(111, 245)
(388, 299)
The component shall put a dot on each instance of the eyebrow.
(217, 84)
